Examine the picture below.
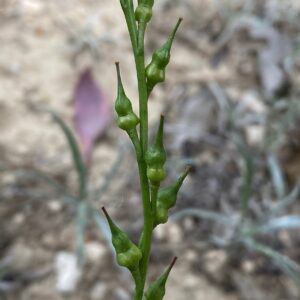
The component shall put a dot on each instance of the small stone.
(191, 255)
(22, 257)
(48, 240)
(188, 223)
(95, 251)
(55, 206)
(160, 232)
(98, 292)
(169, 231)
(248, 266)
(18, 218)
(214, 262)
(121, 294)
(255, 134)
(174, 233)
(68, 272)
(191, 281)
(285, 238)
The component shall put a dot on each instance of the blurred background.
(231, 101)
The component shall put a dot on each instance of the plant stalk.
(138, 50)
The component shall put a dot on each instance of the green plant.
(150, 159)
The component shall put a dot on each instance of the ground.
(230, 94)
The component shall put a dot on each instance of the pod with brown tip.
(127, 119)
(155, 71)
(167, 197)
(128, 254)
(157, 289)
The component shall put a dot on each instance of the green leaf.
(277, 176)
(286, 222)
(287, 265)
(74, 147)
(247, 176)
(81, 223)
(286, 201)
(203, 214)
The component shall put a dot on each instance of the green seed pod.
(167, 197)
(155, 71)
(156, 174)
(143, 12)
(155, 74)
(156, 157)
(128, 122)
(127, 119)
(157, 289)
(128, 254)
(162, 214)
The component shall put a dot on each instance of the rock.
(170, 232)
(18, 219)
(22, 257)
(68, 272)
(255, 135)
(248, 266)
(214, 264)
(121, 294)
(55, 206)
(98, 292)
(95, 252)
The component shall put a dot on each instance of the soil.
(214, 95)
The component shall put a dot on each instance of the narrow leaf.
(247, 176)
(286, 222)
(81, 223)
(79, 165)
(286, 201)
(287, 265)
(203, 214)
(277, 176)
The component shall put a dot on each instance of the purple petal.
(92, 113)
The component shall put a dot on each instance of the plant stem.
(137, 41)
(143, 106)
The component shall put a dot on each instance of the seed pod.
(156, 157)
(167, 197)
(128, 254)
(127, 119)
(143, 12)
(157, 289)
(155, 71)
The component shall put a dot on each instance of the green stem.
(143, 98)
(138, 293)
(141, 37)
(138, 50)
(128, 10)
(136, 143)
(143, 106)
